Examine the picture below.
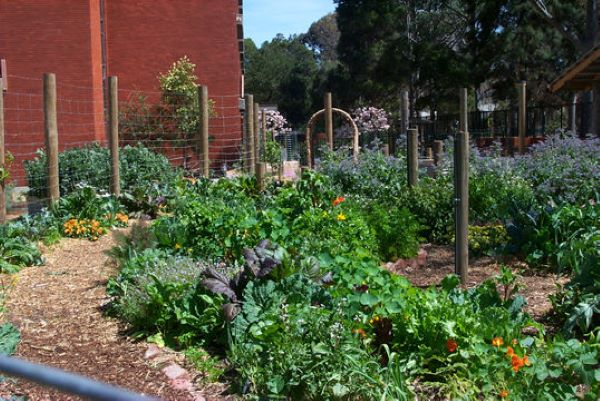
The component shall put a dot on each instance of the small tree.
(180, 96)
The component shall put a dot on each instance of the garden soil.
(58, 308)
(536, 285)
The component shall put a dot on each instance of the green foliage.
(90, 165)
(282, 72)
(211, 368)
(180, 96)
(291, 341)
(9, 339)
(272, 153)
(16, 253)
(397, 230)
(310, 315)
(487, 240)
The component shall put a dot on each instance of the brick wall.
(145, 38)
(50, 36)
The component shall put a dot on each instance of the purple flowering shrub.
(563, 168)
(373, 176)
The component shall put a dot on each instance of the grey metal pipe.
(66, 382)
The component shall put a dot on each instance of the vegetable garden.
(283, 292)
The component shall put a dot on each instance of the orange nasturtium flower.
(338, 200)
(497, 342)
(510, 352)
(451, 345)
(360, 332)
(341, 217)
(503, 394)
(517, 363)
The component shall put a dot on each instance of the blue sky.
(263, 19)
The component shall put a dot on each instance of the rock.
(174, 371)
(152, 352)
(182, 384)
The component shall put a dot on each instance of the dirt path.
(57, 307)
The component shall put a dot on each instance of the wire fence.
(166, 123)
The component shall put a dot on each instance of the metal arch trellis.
(310, 126)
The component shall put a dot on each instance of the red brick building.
(84, 41)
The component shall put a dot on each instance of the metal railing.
(67, 382)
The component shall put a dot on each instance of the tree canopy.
(368, 51)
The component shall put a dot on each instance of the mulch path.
(58, 309)
(537, 285)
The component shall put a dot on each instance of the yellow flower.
(341, 217)
(497, 342)
(177, 246)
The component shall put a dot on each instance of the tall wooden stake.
(413, 157)
(404, 112)
(203, 144)
(263, 130)
(461, 194)
(261, 170)
(51, 134)
(329, 120)
(249, 114)
(258, 145)
(113, 138)
(2, 157)
(522, 116)
(438, 150)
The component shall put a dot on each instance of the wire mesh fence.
(167, 124)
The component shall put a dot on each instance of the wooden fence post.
(258, 145)
(464, 111)
(461, 194)
(113, 139)
(249, 114)
(404, 112)
(522, 115)
(329, 119)
(386, 150)
(261, 170)
(413, 156)
(2, 157)
(263, 131)
(51, 134)
(203, 145)
(438, 150)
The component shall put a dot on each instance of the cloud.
(263, 19)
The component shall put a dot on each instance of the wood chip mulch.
(58, 309)
(537, 285)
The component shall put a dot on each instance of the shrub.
(90, 165)
(563, 169)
